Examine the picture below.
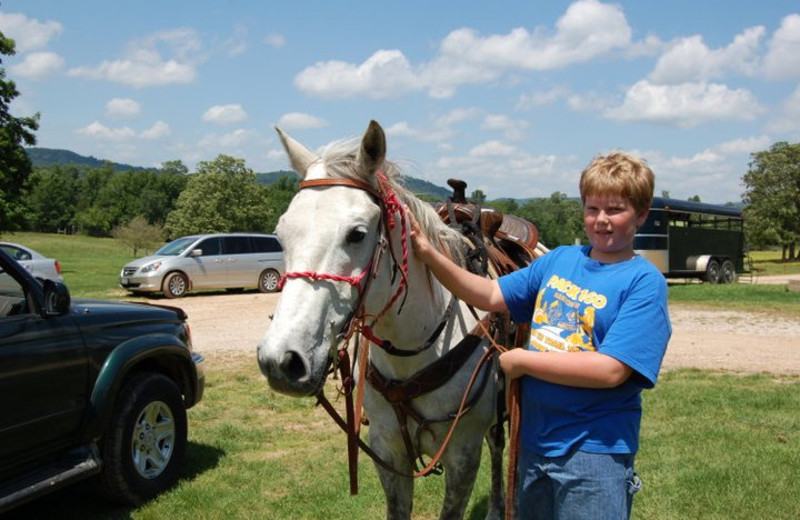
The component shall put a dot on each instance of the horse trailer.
(685, 239)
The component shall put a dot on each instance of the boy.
(599, 330)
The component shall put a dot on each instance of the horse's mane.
(339, 159)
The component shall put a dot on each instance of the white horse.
(350, 266)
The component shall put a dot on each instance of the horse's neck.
(412, 322)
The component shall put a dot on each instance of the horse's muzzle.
(288, 373)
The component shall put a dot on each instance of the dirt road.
(232, 324)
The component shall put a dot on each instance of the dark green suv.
(90, 388)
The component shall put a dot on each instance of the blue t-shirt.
(575, 303)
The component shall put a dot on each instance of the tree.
(52, 198)
(477, 197)
(139, 234)
(15, 167)
(222, 196)
(559, 219)
(772, 195)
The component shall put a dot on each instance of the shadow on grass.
(84, 500)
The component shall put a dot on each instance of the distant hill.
(45, 157)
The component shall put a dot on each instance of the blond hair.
(619, 175)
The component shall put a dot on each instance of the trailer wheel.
(712, 272)
(727, 273)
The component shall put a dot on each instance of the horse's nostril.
(293, 366)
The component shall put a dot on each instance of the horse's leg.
(399, 490)
(399, 493)
(461, 468)
(496, 441)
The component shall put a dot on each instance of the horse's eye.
(356, 235)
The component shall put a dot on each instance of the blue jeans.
(580, 485)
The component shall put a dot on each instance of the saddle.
(505, 241)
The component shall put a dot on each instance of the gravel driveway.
(232, 324)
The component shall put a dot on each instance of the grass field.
(714, 445)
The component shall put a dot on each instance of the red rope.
(352, 280)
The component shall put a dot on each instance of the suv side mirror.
(196, 252)
(56, 298)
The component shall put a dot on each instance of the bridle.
(390, 205)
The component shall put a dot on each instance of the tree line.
(220, 196)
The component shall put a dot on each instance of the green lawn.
(714, 446)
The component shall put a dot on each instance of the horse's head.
(330, 234)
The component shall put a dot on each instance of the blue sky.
(515, 97)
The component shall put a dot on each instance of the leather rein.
(397, 393)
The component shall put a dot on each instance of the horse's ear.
(373, 149)
(300, 157)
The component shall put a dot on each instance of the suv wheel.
(146, 439)
(175, 285)
(268, 281)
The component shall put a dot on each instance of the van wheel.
(175, 285)
(727, 273)
(712, 272)
(268, 281)
(145, 441)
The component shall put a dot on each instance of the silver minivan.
(210, 261)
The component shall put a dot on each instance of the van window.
(210, 246)
(237, 245)
(266, 245)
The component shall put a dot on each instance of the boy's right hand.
(420, 243)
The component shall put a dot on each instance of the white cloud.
(399, 129)
(493, 149)
(457, 115)
(97, 130)
(587, 29)
(159, 130)
(589, 102)
(788, 122)
(782, 62)
(123, 108)
(541, 98)
(236, 44)
(300, 121)
(386, 73)
(227, 142)
(513, 129)
(686, 105)
(38, 65)
(275, 40)
(28, 33)
(143, 63)
(690, 60)
(745, 145)
(225, 114)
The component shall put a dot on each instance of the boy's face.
(610, 224)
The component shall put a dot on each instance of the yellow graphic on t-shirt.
(565, 321)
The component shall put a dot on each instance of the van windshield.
(176, 247)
